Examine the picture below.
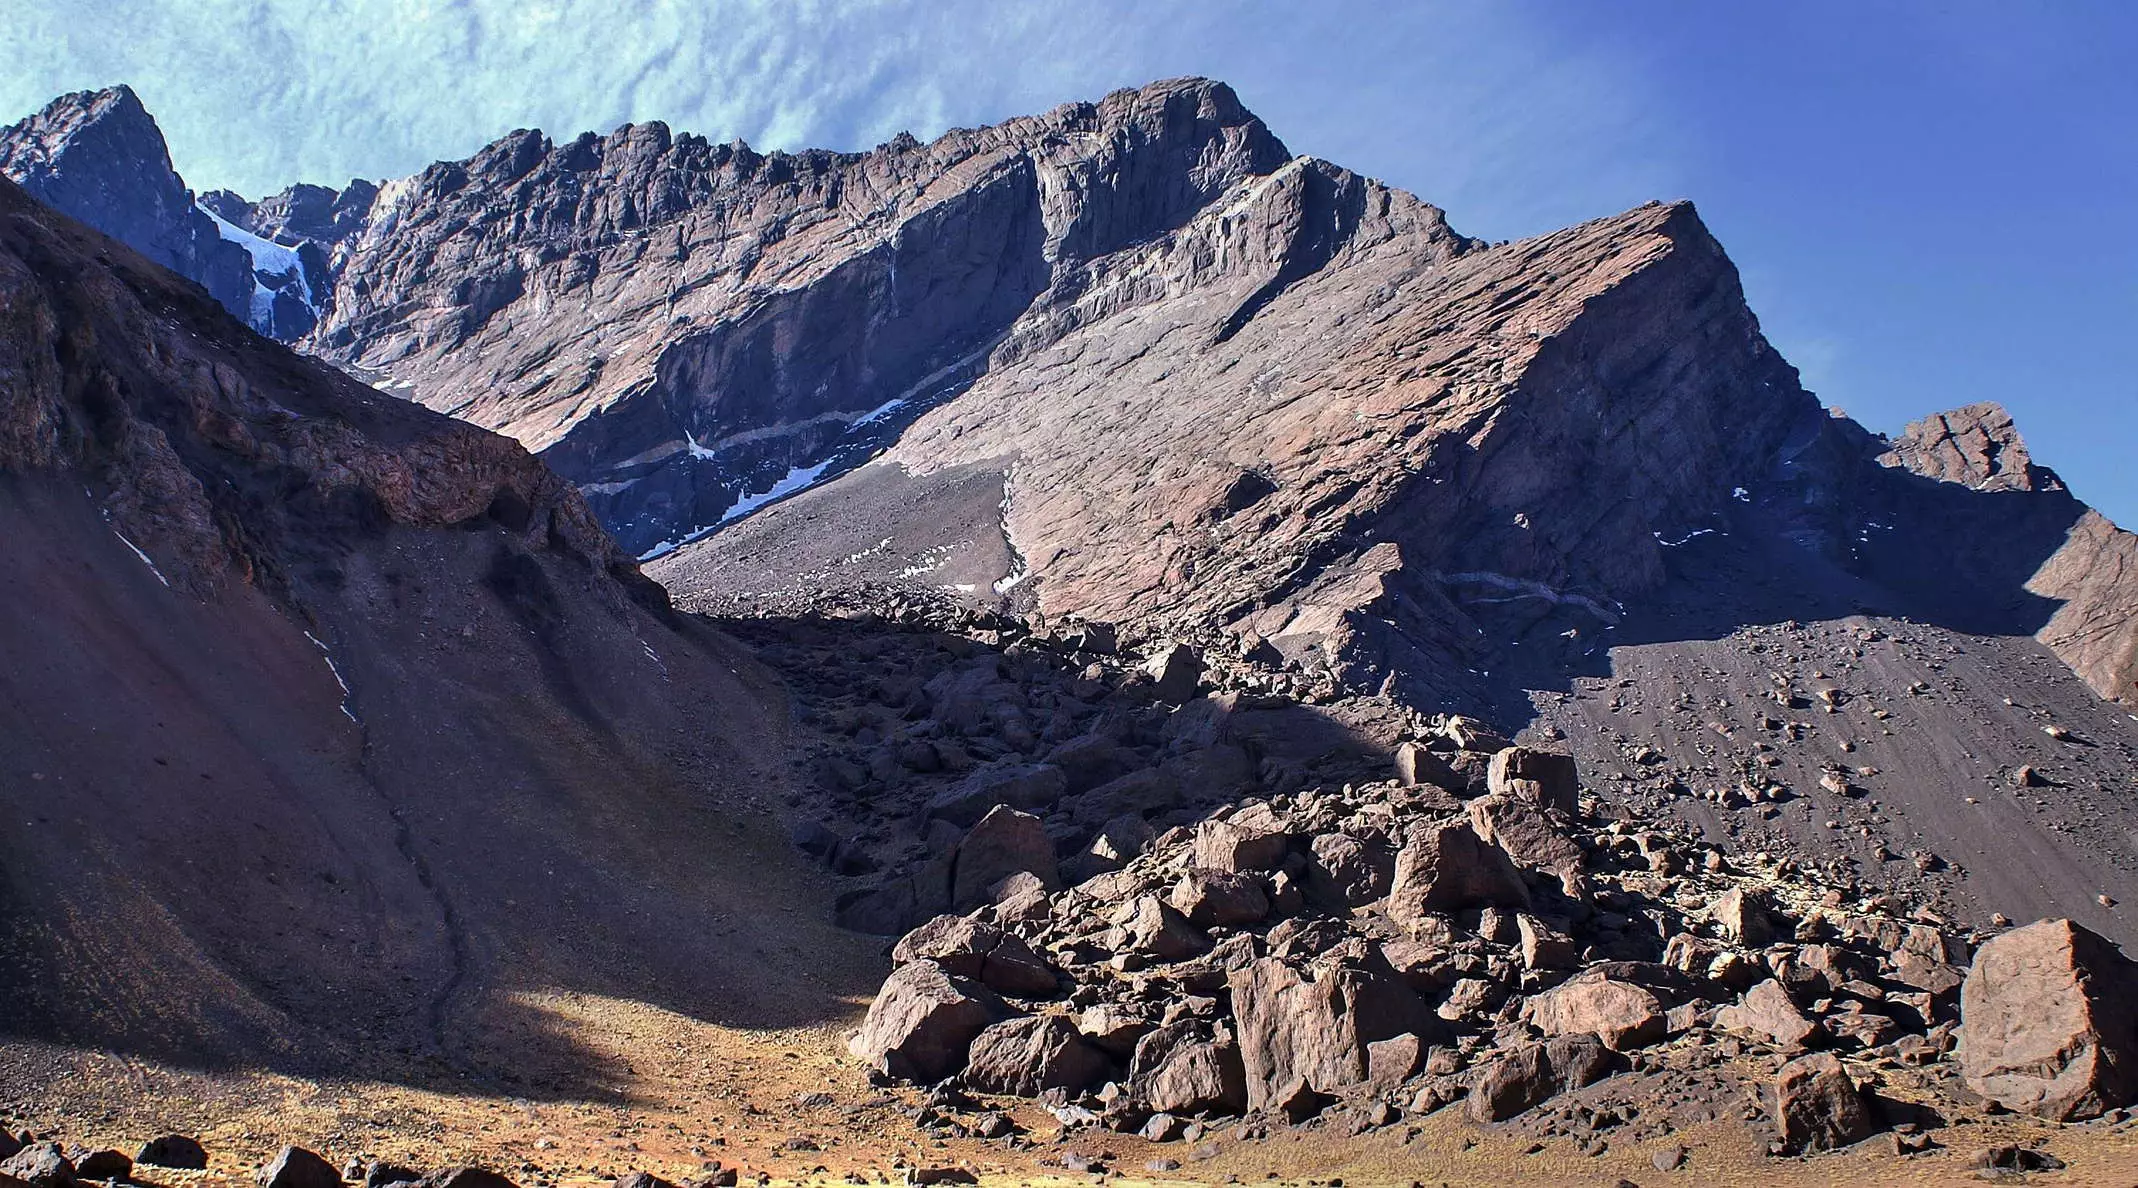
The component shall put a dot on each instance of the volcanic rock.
(1531, 1074)
(1311, 1031)
(1004, 842)
(968, 948)
(40, 1165)
(173, 1150)
(1621, 1014)
(1445, 866)
(295, 1167)
(1181, 1069)
(1542, 778)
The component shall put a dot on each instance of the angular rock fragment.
(295, 1167)
(1817, 1105)
(1520, 1080)
(1003, 843)
(1182, 1069)
(1623, 1015)
(1310, 1031)
(2047, 1023)
(967, 948)
(1769, 1014)
(1022, 1057)
(1219, 898)
(1445, 866)
(1542, 778)
(922, 1023)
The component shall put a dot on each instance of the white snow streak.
(144, 556)
(346, 692)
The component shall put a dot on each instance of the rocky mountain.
(1221, 387)
(98, 156)
(297, 679)
(1280, 667)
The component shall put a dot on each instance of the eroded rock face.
(2047, 1027)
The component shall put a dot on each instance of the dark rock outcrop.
(98, 156)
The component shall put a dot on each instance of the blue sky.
(1932, 203)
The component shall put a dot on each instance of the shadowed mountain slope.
(334, 732)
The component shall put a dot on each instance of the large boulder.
(1005, 842)
(1817, 1106)
(1542, 778)
(2048, 1027)
(1151, 927)
(1180, 1069)
(1308, 1033)
(173, 1150)
(1017, 785)
(295, 1167)
(1768, 1014)
(1526, 1077)
(922, 1024)
(1176, 672)
(1350, 871)
(1219, 898)
(1445, 866)
(40, 1165)
(1533, 837)
(1622, 1014)
(1024, 1057)
(1249, 840)
(968, 948)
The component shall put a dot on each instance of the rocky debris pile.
(47, 1162)
(960, 748)
(1390, 948)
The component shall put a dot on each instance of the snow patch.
(1694, 534)
(270, 260)
(346, 692)
(144, 557)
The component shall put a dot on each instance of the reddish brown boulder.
(1246, 841)
(1542, 778)
(1005, 842)
(1180, 1069)
(1769, 1014)
(1521, 1080)
(1308, 1034)
(1216, 897)
(1446, 866)
(1621, 1014)
(968, 948)
(1022, 1057)
(1533, 837)
(2047, 1025)
(1817, 1106)
(922, 1023)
